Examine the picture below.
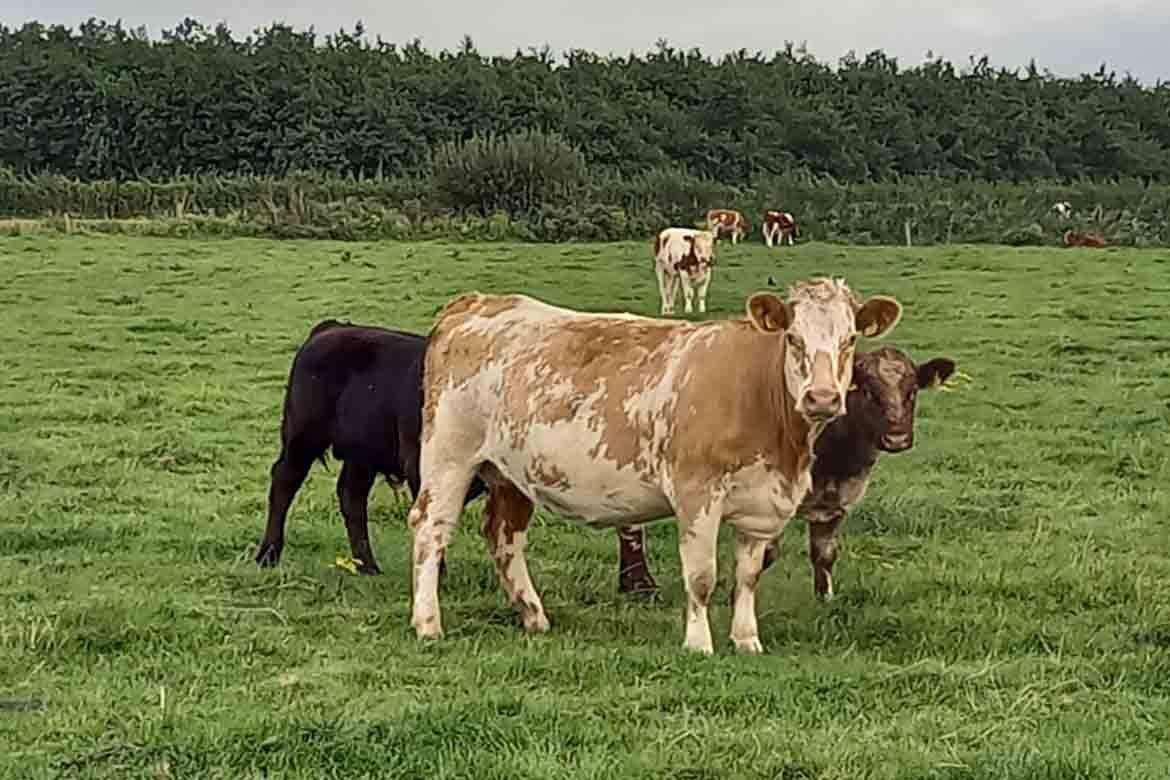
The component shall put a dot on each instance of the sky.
(1068, 37)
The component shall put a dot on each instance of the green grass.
(1003, 604)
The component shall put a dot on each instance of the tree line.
(103, 102)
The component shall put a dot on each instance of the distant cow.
(727, 221)
(1063, 209)
(778, 227)
(1072, 238)
(686, 256)
(880, 418)
(358, 389)
(617, 420)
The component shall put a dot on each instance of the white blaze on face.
(818, 360)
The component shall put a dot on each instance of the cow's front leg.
(749, 566)
(665, 291)
(822, 553)
(698, 533)
(634, 571)
(505, 528)
(702, 292)
(688, 293)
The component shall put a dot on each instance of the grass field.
(1003, 606)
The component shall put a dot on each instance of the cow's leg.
(749, 565)
(672, 283)
(698, 533)
(505, 528)
(822, 553)
(663, 288)
(433, 518)
(288, 474)
(702, 292)
(353, 493)
(688, 292)
(634, 572)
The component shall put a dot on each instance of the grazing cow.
(358, 389)
(1072, 238)
(720, 221)
(778, 226)
(617, 420)
(684, 255)
(1063, 209)
(880, 418)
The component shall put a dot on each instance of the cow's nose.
(822, 402)
(896, 442)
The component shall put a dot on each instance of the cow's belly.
(564, 477)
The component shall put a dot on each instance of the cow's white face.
(820, 323)
(704, 245)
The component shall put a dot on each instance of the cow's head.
(820, 322)
(885, 389)
(703, 245)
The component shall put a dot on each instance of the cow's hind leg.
(749, 565)
(288, 474)
(505, 528)
(433, 518)
(353, 493)
(634, 572)
(665, 290)
(702, 292)
(822, 553)
(688, 292)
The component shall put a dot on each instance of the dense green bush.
(515, 173)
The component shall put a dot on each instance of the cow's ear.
(935, 372)
(878, 316)
(768, 313)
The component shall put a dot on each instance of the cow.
(357, 389)
(614, 420)
(1063, 209)
(686, 256)
(879, 418)
(1072, 238)
(778, 227)
(729, 221)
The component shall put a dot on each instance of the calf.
(357, 389)
(720, 221)
(880, 418)
(778, 227)
(1072, 238)
(615, 420)
(684, 255)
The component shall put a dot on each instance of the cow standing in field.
(684, 256)
(617, 420)
(880, 418)
(727, 221)
(778, 227)
(357, 389)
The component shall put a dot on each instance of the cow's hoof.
(701, 649)
(750, 646)
(641, 588)
(267, 555)
(430, 628)
(370, 569)
(535, 623)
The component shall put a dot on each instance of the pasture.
(1003, 593)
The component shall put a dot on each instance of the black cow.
(356, 388)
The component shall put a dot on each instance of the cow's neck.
(848, 446)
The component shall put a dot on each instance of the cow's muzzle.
(896, 442)
(822, 403)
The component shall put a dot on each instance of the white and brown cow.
(729, 221)
(778, 227)
(684, 256)
(616, 420)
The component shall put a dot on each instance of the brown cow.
(720, 221)
(1072, 238)
(778, 227)
(880, 418)
(617, 420)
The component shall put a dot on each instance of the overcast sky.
(1066, 36)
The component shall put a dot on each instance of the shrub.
(515, 173)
